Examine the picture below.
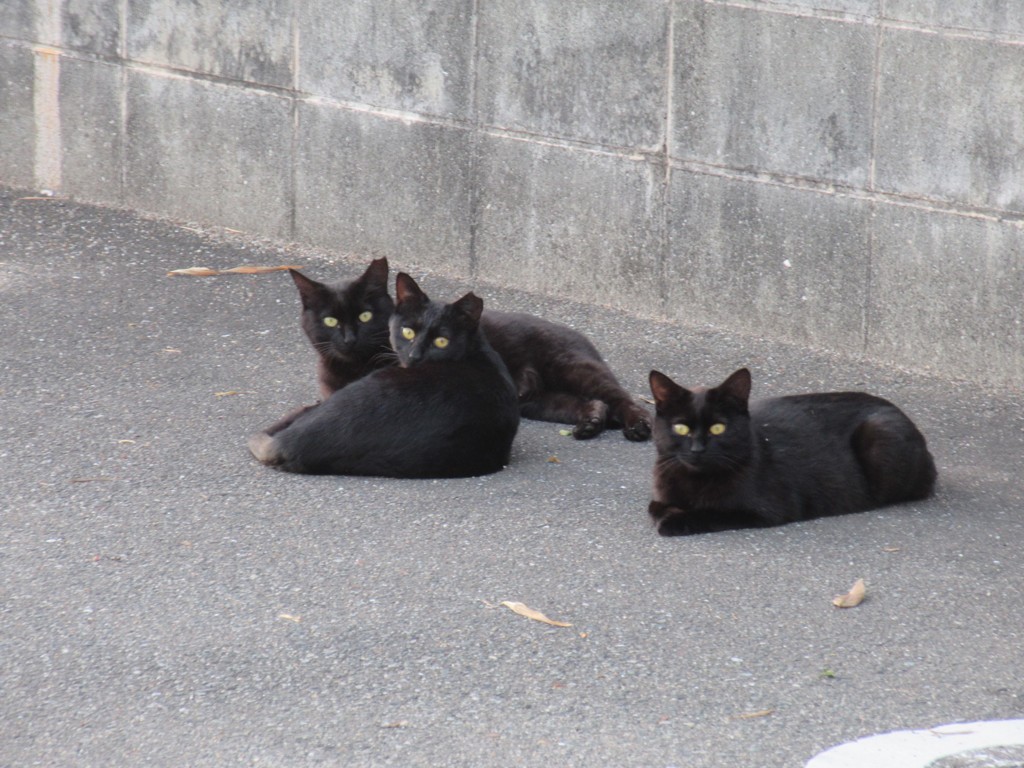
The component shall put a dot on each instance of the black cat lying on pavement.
(448, 409)
(723, 462)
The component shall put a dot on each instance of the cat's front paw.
(669, 520)
(264, 447)
(592, 421)
(590, 428)
(675, 525)
(637, 427)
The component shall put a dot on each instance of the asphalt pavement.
(165, 600)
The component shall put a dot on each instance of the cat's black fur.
(349, 343)
(561, 377)
(558, 373)
(448, 409)
(778, 460)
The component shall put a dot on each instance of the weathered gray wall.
(843, 173)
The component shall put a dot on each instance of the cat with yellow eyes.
(448, 409)
(347, 325)
(726, 462)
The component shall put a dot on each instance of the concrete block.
(91, 139)
(17, 115)
(413, 55)
(369, 184)
(771, 92)
(575, 223)
(91, 25)
(237, 39)
(208, 153)
(917, 317)
(18, 19)
(593, 71)
(981, 15)
(951, 120)
(767, 259)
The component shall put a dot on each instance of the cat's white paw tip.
(264, 448)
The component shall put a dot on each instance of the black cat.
(558, 373)
(448, 409)
(347, 325)
(722, 464)
(561, 377)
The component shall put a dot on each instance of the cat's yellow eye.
(331, 322)
(364, 317)
(440, 342)
(716, 429)
(408, 333)
(680, 429)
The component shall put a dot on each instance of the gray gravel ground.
(167, 601)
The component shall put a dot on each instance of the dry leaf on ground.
(243, 270)
(852, 598)
(530, 613)
(754, 715)
(248, 270)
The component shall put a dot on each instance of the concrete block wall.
(842, 173)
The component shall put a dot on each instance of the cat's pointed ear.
(470, 305)
(309, 290)
(407, 292)
(664, 389)
(376, 275)
(737, 386)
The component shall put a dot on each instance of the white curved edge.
(916, 749)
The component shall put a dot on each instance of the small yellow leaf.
(554, 460)
(853, 598)
(530, 613)
(565, 432)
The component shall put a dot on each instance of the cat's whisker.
(389, 357)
